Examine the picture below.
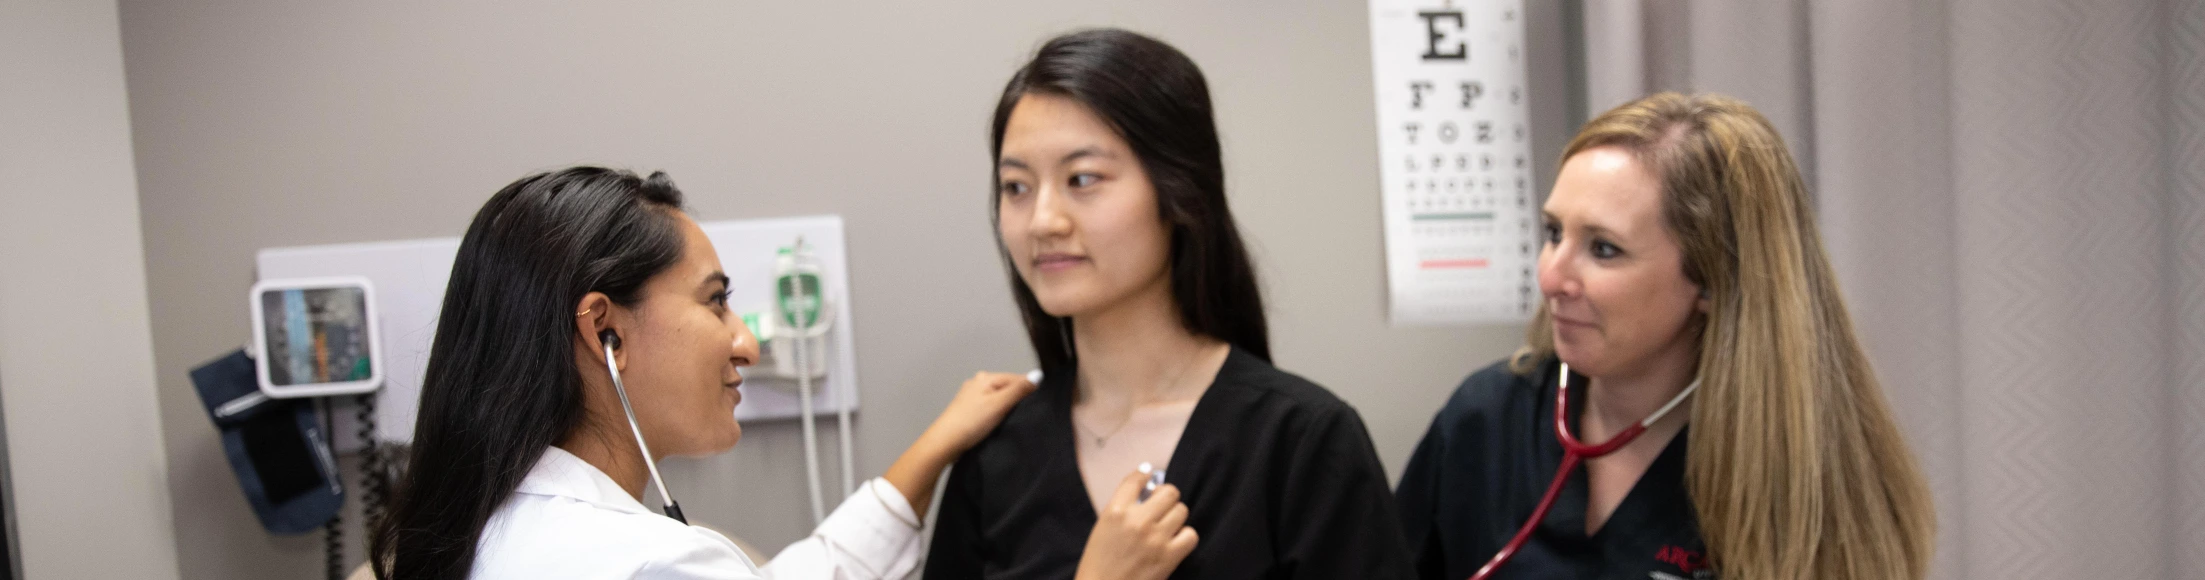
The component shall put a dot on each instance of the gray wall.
(264, 123)
(76, 361)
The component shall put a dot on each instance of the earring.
(584, 312)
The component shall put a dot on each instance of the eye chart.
(1454, 148)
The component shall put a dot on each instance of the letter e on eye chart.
(1454, 149)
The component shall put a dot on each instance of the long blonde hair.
(1795, 466)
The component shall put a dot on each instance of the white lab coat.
(569, 520)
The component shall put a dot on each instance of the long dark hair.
(1157, 100)
(502, 383)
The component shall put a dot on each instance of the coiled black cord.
(375, 476)
(374, 483)
(333, 535)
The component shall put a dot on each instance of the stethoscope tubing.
(1573, 453)
(673, 510)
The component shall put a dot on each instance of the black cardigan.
(1279, 477)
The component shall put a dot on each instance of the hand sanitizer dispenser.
(801, 315)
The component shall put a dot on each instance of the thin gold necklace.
(1103, 440)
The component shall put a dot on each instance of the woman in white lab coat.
(579, 294)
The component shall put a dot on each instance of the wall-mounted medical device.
(313, 337)
(316, 337)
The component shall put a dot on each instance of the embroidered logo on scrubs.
(1691, 563)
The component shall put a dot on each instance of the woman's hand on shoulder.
(1135, 539)
(979, 406)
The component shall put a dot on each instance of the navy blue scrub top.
(1487, 459)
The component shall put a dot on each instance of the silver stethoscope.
(1573, 452)
(611, 341)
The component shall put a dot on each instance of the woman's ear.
(1706, 302)
(593, 323)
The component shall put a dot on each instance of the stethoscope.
(611, 341)
(1574, 452)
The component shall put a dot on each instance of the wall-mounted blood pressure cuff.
(277, 447)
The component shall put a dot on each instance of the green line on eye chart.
(1476, 215)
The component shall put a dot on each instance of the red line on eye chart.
(1471, 263)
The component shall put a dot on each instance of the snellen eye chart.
(1454, 148)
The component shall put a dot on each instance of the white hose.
(811, 430)
(842, 426)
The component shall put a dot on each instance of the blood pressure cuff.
(276, 446)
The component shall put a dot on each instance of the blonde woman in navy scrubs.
(1691, 401)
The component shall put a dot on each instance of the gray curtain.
(2014, 195)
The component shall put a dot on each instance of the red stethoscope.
(1573, 452)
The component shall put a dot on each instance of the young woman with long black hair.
(576, 294)
(1142, 305)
